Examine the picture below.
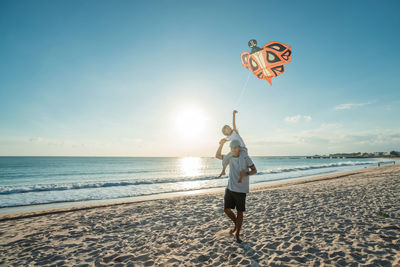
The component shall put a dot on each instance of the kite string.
(243, 91)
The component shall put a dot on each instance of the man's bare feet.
(232, 231)
(238, 240)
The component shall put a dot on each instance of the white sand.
(333, 220)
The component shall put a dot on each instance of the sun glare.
(190, 166)
(190, 122)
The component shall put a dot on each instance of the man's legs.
(231, 215)
(238, 225)
(232, 199)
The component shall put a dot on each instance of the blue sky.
(109, 78)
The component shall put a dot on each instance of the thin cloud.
(350, 105)
(325, 139)
(297, 118)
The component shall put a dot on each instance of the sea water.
(39, 180)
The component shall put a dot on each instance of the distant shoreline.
(338, 157)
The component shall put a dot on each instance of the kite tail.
(269, 79)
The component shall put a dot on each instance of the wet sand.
(343, 219)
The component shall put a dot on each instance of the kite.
(266, 62)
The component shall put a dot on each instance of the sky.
(161, 78)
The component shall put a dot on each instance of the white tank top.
(236, 136)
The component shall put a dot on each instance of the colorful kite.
(266, 62)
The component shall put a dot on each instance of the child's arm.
(234, 121)
(218, 155)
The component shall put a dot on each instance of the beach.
(350, 218)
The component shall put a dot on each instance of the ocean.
(40, 180)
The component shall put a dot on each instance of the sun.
(190, 122)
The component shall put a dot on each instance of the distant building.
(360, 155)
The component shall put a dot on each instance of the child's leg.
(224, 165)
(244, 151)
(223, 173)
(243, 154)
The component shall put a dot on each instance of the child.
(233, 135)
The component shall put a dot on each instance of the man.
(238, 183)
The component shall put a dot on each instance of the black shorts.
(234, 200)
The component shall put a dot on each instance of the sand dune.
(350, 219)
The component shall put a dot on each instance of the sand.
(342, 219)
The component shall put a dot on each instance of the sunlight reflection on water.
(190, 166)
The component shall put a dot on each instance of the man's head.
(235, 148)
(227, 130)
